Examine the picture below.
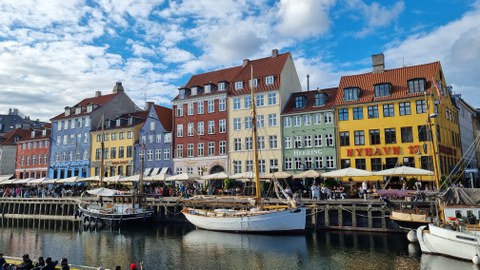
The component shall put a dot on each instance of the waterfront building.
(200, 123)
(71, 143)
(120, 136)
(384, 119)
(33, 153)
(468, 132)
(308, 127)
(15, 119)
(156, 141)
(274, 80)
(8, 151)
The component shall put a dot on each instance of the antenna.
(308, 82)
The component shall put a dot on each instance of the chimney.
(118, 88)
(98, 93)
(245, 62)
(274, 53)
(148, 105)
(378, 63)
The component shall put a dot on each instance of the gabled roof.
(9, 138)
(141, 116)
(165, 116)
(38, 135)
(310, 105)
(398, 78)
(100, 101)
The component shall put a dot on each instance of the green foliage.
(330, 182)
(228, 183)
(411, 182)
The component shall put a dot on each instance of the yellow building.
(274, 79)
(120, 138)
(384, 119)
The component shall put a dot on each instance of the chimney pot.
(118, 87)
(245, 62)
(378, 63)
(98, 93)
(148, 105)
(274, 53)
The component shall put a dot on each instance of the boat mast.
(436, 173)
(102, 149)
(254, 134)
(140, 180)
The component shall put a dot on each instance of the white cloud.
(304, 18)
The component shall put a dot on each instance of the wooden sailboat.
(113, 206)
(258, 218)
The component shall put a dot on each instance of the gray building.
(14, 119)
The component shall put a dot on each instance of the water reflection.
(436, 262)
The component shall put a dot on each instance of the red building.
(33, 153)
(200, 123)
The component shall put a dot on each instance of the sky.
(54, 53)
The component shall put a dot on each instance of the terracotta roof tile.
(310, 106)
(100, 101)
(165, 116)
(9, 138)
(398, 78)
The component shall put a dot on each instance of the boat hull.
(448, 242)
(409, 221)
(96, 215)
(285, 220)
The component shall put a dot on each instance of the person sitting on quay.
(49, 264)
(2, 261)
(64, 264)
(26, 263)
(39, 264)
(133, 266)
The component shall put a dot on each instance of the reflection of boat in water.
(285, 244)
(443, 263)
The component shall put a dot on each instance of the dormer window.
(33, 134)
(255, 82)
(78, 110)
(67, 111)
(300, 102)
(44, 133)
(351, 93)
(416, 85)
(269, 80)
(118, 122)
(238, 85)
(89, 108)
(130, 120)
(382, 89)
(320, 99)
(222, 86)
(181, 94)
(194, 90)
(208, 88)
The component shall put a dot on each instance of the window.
(272, 141)
(211, 106)
(121, 135)
(260, 121)
(298, 163)
(201, 107)
(287, 142)
(238, 85)
(404, 108)
(307, 140)
(248, 122)
(306, 119)
(318, 162)
(248, 143)
(416, 85)
(390, 136)
(222, 125)
(150, 155)
(328, 118)
(166, 154)
(272, 120)
(179, 130)
(200, 149)
(236, 104)
(373, 111)
(357, 113)
(421, 106)
(407, 134)
(388, 110)
(376, 164)
(190, 129)
(360, 163)
(237, 166)
(300, 102)
(222, 104)
(179, 150)
(158, 138)
(130, 134)
(259, 102)
(189, 108)
(179, 110)
(261, 142)
(382, 90)
(269, 80)
(329, 139)
(344, 138)
(320, 99)
(237, 124)
(190, 150)
(288, 163)
(222, 147)
(359, 137)
(297, 121)
(298, 142)
(121, 151)
(237, 144)
(287, 121)
(318, 140)
(343, 114)
(211, 148)
(247, 102)
(211, 127)
(423, 133)
(330, 162)
(345, 163)
(222, 86)
(272, 98)
(374, 136)
(200, 128)
(317, 118)
(351, 93)
(129, 151)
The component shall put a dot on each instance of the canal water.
(179, 246)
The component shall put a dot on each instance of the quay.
(348, 214)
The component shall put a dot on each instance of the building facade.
(33, 154)
(385, 119)
(8, 151)
(308, 126)
(156, 141)
(71, 143)
(274, 80)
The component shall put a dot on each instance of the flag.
(438, 88)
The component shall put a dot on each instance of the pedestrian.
(133, 266)
(64, 264)
(364, 190)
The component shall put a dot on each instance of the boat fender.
(476, 259)
(412, 236)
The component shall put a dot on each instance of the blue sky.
(54, 53)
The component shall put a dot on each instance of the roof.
(100, 101)
(165, 116)
(398, 78)
(38, 135)
(310, 105)
(268, 66)
(9, 138)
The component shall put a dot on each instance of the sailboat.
(114, 207)
(259, 218)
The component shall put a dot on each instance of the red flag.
(438, 88)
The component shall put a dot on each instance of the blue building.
(156, 139)
(71, 140)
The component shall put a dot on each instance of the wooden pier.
(348, 214)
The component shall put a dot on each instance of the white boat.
(257, 219)
(446, 241)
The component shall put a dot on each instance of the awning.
(155, 171)
(147, 171)
(103, 192)
(164, 170)
(4, 177)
